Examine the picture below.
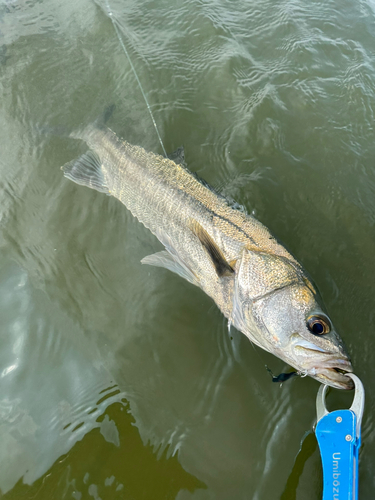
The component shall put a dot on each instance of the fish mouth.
(333, 372)
(335, 377)
(329, 369)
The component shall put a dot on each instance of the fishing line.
(112, 18)
(281, 377)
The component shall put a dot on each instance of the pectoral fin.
(222, 267)
(171, 262)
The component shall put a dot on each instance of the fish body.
(257, 284)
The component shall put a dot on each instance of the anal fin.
(87, 171)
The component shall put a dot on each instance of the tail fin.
(86, 133)
(108, 112)
(87, 171)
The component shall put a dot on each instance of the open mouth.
(343, 372)
(336, 377)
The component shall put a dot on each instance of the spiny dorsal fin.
(178, 156)
(221, 265)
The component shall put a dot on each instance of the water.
(119, 380)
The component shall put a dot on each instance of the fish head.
(298, 331)
(287, 320)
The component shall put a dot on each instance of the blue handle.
(339, 437)
(339, 446)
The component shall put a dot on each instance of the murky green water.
(119, 380)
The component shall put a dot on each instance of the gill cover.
(259, 274)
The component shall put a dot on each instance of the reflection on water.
(49, 383)
(121, 381)
(82, 474)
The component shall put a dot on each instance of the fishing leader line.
(117, 30)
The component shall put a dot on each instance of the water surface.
(119, 380)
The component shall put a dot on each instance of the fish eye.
(318, 325)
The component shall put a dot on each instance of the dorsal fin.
(208, 186)
(178, 157)
(222, 267)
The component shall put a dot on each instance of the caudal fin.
(87, 171)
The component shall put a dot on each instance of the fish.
(257, 284)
